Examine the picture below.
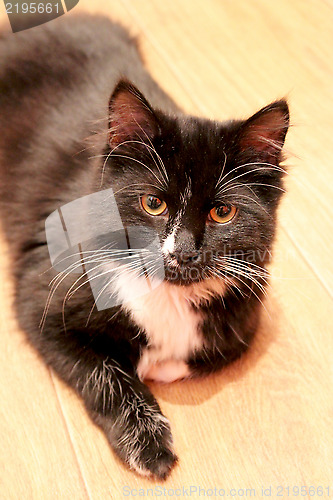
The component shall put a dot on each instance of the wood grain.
(266, 420)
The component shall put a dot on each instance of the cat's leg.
(134, 425)
(98, 360)
(118, 402)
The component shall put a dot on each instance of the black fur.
(58, 126)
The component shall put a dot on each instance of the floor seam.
(52, 375)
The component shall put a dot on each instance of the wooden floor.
(265, 422)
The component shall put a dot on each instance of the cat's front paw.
(168, 371)
(153, 460)
(145, 442)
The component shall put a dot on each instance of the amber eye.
(153, 205)
(223, 213)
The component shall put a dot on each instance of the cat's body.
(57, 144)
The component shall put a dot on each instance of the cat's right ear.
(131, 118)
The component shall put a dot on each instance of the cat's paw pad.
(168, 371)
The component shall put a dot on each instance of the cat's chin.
(184, 282)
(184, 277)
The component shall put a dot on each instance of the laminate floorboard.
(266, 421)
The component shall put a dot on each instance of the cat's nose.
(185, 258)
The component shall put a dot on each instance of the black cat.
(168, 220)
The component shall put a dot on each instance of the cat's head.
(209, 190)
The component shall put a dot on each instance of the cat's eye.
(223, 213)
(153, 205)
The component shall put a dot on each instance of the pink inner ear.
(266, 132)
(131, 118)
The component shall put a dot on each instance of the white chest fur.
(171, 324)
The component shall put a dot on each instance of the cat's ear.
(264, 133)
(131, 117)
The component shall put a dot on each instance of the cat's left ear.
(131, 117)
(264, 133)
